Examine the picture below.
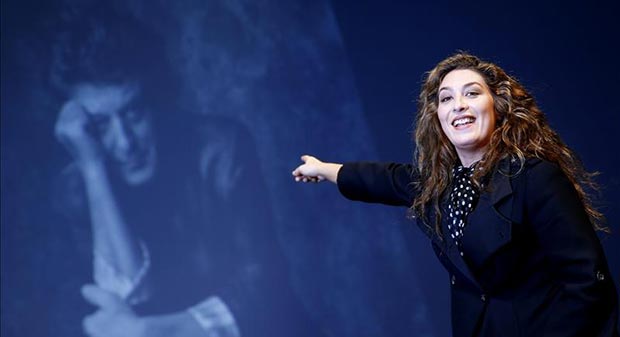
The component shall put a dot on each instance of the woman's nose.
(459, 103)
(123, 136)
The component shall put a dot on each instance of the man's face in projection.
(123, 127)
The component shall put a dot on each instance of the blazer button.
(600, 276)
(483, 298)
(452, 280)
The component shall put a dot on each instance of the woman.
(504, 203)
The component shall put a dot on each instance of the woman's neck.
(470, 158)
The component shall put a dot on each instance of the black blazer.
(533, 264)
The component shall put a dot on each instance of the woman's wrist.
(331, 172)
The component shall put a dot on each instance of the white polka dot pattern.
(463, 199)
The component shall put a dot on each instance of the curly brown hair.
(521, 132)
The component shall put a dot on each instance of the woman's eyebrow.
(471, 83)
(464, 86)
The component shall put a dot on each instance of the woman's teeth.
(463, 121)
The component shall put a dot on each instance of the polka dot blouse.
(463, 199)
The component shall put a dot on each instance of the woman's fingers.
(308, 171)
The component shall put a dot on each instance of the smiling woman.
(466, 114)
(503, 201)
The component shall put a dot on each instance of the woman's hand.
(115, 318)
(75, 131)
(314, 170)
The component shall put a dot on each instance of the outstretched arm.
(385, 183)
(314, 170)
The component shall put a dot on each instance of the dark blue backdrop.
(338, 80)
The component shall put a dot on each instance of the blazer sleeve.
(566, 236)
(385, 183)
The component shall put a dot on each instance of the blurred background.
(230, 94)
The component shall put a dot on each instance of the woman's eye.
(444, 99)
(472, 93)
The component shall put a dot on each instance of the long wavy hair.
(521, 132)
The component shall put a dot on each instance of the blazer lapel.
(445, 249)
(487, 230)
(489, 227)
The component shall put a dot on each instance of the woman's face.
(466, 113)
(124, 128)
